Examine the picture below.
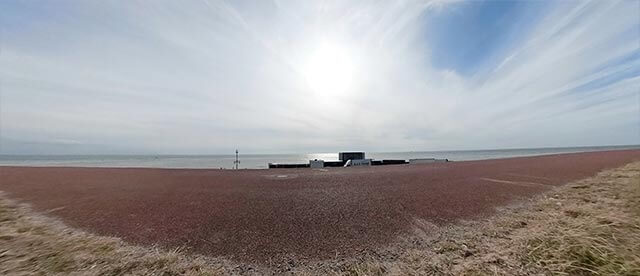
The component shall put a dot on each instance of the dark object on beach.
(287, 166)
(334, 163)
(389, 162)
(394, 161)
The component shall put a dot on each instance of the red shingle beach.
(262, 215)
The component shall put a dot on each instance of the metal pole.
(237, 161)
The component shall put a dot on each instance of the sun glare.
(329, 70)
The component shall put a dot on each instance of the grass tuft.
(32, 244)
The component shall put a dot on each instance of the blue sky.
(472, 35)
(209, 76)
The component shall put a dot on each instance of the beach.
(262, 216)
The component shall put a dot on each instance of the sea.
(261, 161)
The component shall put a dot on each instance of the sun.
(329, 70)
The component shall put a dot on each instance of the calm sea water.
(260, 161)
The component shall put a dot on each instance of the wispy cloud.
(210, 76)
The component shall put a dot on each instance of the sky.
(210, 76)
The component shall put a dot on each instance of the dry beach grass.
(587, 227)
(34, 244)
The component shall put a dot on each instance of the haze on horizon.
(209, 76)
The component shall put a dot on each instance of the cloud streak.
(210, 76)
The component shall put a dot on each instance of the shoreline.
(632, 148)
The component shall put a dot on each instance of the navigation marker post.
(237, 161)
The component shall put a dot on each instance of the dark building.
(352, 155)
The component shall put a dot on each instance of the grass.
(596, 229)
(32, 244)
(587, 227)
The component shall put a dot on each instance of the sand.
(271, 215)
